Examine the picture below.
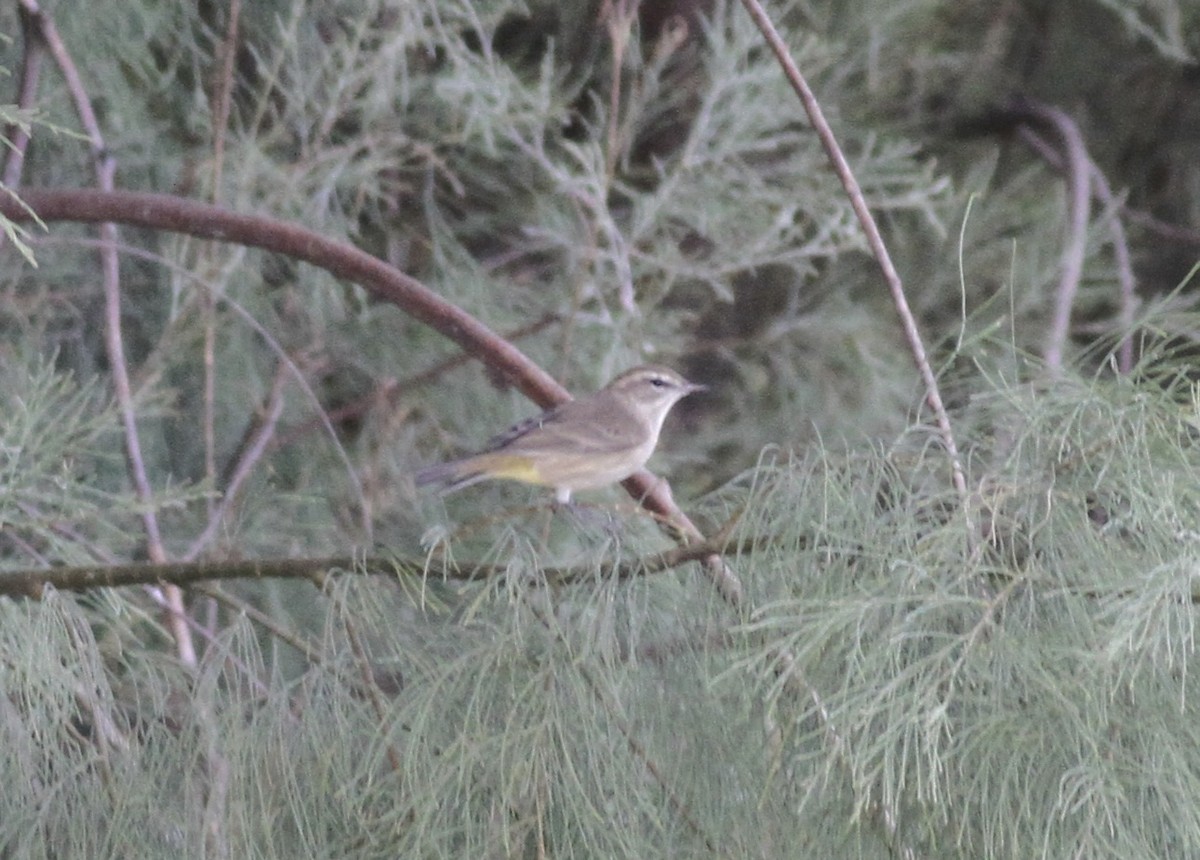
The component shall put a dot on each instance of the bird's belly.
(595, 472)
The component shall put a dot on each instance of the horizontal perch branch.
(32, 582)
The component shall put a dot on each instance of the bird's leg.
(562, 502)
(561, 498)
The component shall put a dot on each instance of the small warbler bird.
(582, 444)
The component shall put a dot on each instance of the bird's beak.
(693, 387)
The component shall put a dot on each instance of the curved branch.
(181, 215)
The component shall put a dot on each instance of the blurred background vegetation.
(610, 183)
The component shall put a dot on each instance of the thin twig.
(618, 17)
(1075, 247)
(31, 69)
(390, 391)
(223, 93)
(1165, 229)
(114, 341)
(874, 239)
(312, 653)
(1126, 279)
(255, 681)
(612, 707)
(789, 670)
(220, 104)
(235, 604)
(262, 432)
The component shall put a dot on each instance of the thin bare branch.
(612, 707)
(1078, 168)
(1165, 229)
(31, 70)
(220, 106)
(106, 169)
(389, 391)
(362, 662)
(788, 668)
(223, 92)
(312, 653)
(875, 241)
(261, 434)
(1126, 279)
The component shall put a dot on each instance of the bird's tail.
(450, 476)
(456, 474)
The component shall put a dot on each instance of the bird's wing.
(521, 428)
(606, 432)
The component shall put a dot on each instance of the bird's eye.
(658, 382)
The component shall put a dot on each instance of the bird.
(582, 444)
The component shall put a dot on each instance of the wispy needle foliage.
(883, 664)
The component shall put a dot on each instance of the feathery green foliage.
(911, 673)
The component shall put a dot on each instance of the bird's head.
(651, 391)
